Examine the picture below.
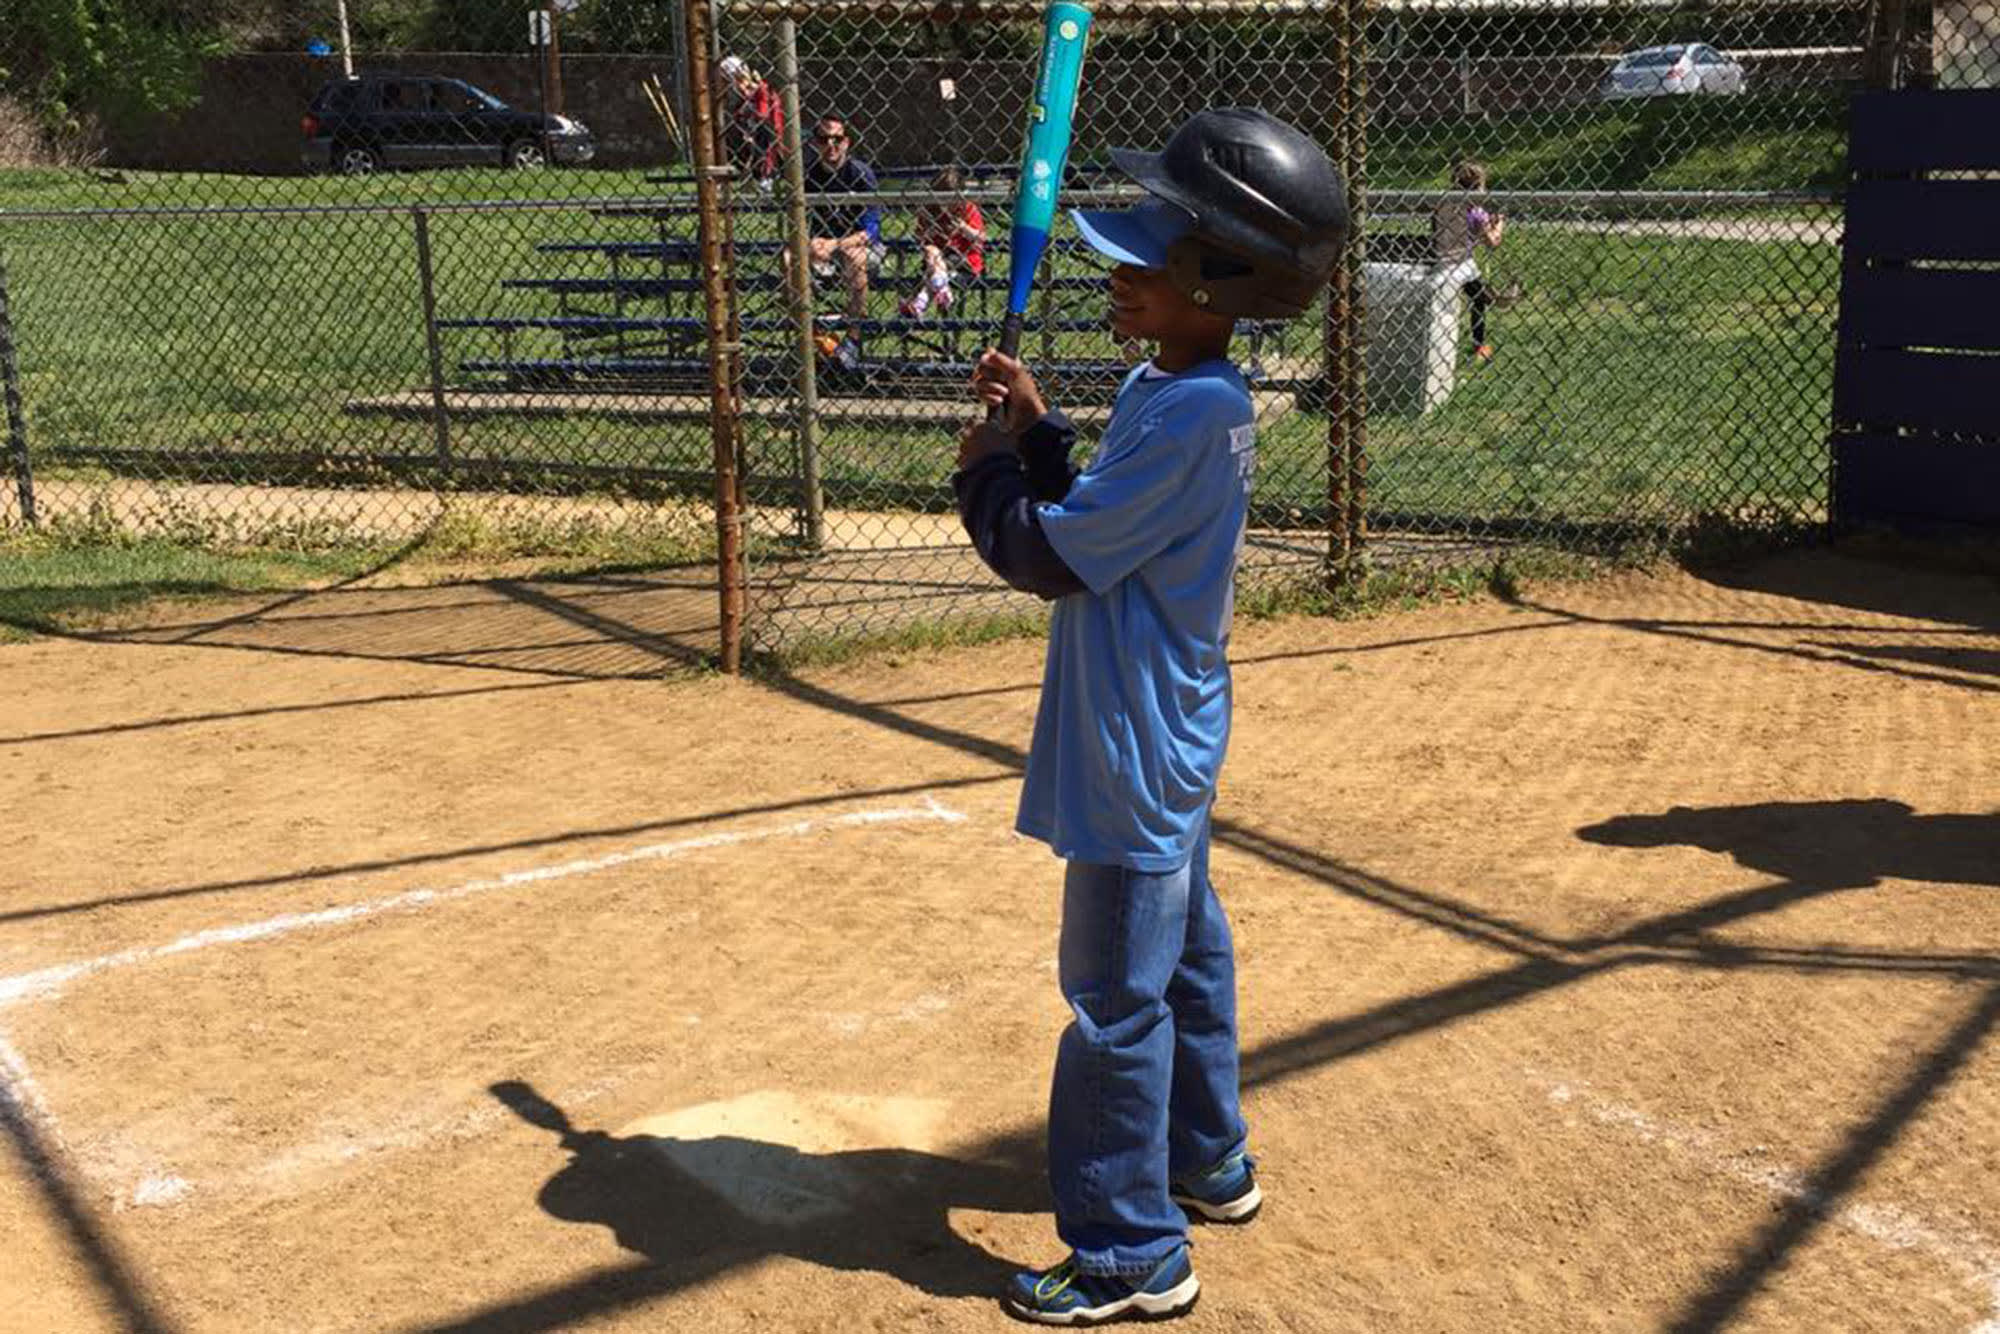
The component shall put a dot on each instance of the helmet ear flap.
(1225, 284)
(1205, 273)
(1187, 269)
(1269, 211)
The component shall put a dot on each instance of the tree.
(72, 62)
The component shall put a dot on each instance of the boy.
(1247, 219)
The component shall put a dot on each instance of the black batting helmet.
(1250, 219)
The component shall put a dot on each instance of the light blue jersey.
(1134, 717)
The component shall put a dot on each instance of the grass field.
(1782, 142)
(1652, 371)
(1642, 378)
(1789, 140)
(51, 584)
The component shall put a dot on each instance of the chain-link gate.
(463, 299)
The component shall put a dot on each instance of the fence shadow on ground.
(1822, 1193)
(1925, 657)
(1887, 587)
(1541, 964)
(66, 1201)
(1953, 666)
(649, 1193)
(665, 621)
(316, 875)
(1815, 849)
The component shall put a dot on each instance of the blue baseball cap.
(1138, 235)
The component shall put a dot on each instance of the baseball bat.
(1051, 117)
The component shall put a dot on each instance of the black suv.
(374, 121)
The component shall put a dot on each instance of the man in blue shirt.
(849, 235)
(1139, 549)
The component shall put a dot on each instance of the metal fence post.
(17, 421)
(733, 344)
(683, 112)
(799, 287)
(724, 415)
(440, 413)
(1334, 363)
(1355, 153)
(1883, 58)
(1344, 354)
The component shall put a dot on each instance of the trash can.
(1413, 316)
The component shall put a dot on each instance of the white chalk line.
(160, 1187)
(295, 1169)
(19, 1087)
(45, 983)
(1970, 1253)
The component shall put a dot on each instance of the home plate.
(773, 1156)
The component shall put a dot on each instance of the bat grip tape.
(1009, 345)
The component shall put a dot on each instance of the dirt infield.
(1626, 957)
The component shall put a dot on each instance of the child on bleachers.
(952, 235)
(760, 122)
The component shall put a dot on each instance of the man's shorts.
(877, 252)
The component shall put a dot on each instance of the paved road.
(1809, 231)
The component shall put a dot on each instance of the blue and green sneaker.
(1225, 1193)
(1065, 1295)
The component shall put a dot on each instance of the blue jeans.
(1146, 1075)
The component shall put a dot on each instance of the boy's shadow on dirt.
(1825, 844)
(720, 1200)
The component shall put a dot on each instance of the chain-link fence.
(266, 296)
(849, 510)
(462, 296)
(1595, 278)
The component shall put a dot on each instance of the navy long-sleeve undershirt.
(996, 503)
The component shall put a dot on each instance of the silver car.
(1673, 71)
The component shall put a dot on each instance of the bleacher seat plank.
(418, 405)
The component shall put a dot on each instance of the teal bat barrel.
(1066, 27)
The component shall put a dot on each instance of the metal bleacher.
(637, 323)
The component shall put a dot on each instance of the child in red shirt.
(760, 121)
(952, 235)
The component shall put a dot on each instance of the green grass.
(1398, 588)
(1789, 142)
(40, 188)
(80, 568)
(1642, 379)
(52, 584)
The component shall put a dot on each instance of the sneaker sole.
(1239, 1210)
(1175, 1301)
